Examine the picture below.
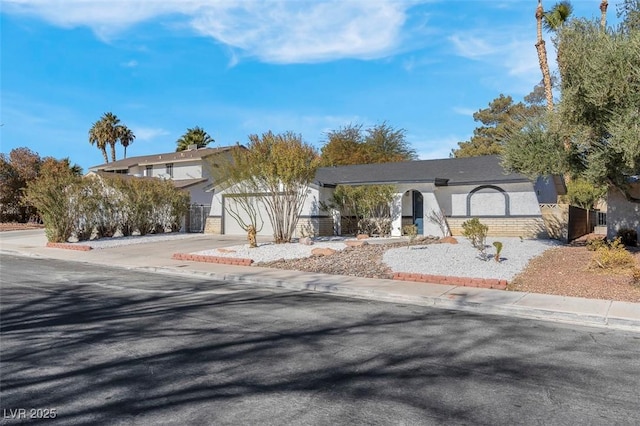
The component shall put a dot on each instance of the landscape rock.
(305, 241)
(448, 240)
(322, 251)
(355, 243)
(362, 237)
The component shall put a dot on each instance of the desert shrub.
(498, 246)
(365, 208)
(411, 231)
(596, 243)
(476, 232)
(613, 257)
(52, 194)
(629, 237)
(635, 276)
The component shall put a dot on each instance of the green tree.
(276, 169)
(388, 145)
(378, 144)
(196, 136)
(598, 118)
(499, 121)
(364, 209)
(17, 170)
(629, 11)
(583, 193)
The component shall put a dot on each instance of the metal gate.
(197, 216)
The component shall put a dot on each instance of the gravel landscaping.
(460, 259)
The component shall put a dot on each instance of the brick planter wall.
(67, 246)
(213, 259)
(457, 281)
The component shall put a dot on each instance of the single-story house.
(460, 188)
(621, 213)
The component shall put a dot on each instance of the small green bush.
(411, 231)
(476, 232)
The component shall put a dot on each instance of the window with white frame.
(148, 171)
(169, 169)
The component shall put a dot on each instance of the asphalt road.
(111, 346)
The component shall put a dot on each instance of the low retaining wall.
(213, 259)
(68, 246)
(457, 281)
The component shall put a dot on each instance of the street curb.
(430, 301)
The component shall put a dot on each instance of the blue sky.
(242, 67)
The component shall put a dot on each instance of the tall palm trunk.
(603, 14)
(113, 151)
(542, 58)
(104, 154)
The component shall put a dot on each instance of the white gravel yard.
(460, 260)
(463, 260)
(269, 252)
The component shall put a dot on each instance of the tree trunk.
(113, 152)
(104, 154)
(603, 14)
(542, 58)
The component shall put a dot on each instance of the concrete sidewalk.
(156, 257)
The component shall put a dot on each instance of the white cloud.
(274, 31)
(464, 111)
(148, 133)
(436, 148)
(515, 55)
(130, 64)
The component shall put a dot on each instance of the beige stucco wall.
(622, 213)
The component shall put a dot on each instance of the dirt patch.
(565, 271)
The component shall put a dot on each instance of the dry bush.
(614, 257)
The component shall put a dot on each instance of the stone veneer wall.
(213, 225)
(526, 227)
(319, 226)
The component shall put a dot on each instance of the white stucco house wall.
(187, 169)
(461, 188)
(621, 213)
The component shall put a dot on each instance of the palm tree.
(603, 14)
(105, 132)
(126, 137)
(98, 136)
(552, 20)
(196, 136)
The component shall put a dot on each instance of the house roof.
(170, 157)
(178, 183)
(451, 171)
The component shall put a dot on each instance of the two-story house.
(187, 169)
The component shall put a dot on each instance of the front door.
(418, 211)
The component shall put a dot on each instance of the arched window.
(488, 200)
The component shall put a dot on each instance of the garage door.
(231, 226)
